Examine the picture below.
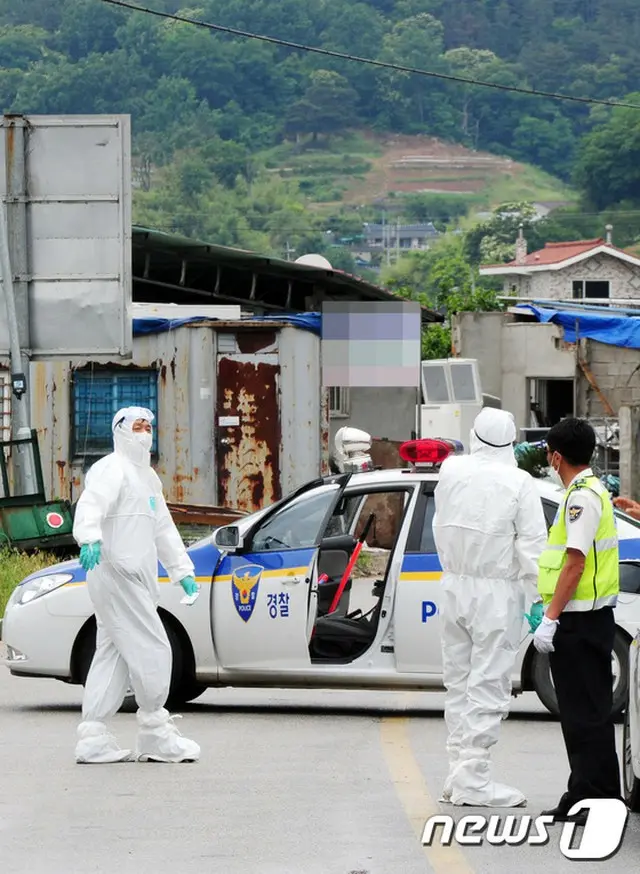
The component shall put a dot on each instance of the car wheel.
(630, 782)
(183, 688)
(543, 682)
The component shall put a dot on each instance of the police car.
(631, 732)
(280, 607)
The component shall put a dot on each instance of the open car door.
(264, 597)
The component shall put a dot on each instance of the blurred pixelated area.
(371, 344)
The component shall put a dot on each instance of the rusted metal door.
(248, 430)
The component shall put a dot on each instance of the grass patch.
(15, 566)
(528, 183)
(364, 565)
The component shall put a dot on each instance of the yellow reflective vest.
(600, 581)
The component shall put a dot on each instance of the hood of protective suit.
(136, 446)
(493, 435)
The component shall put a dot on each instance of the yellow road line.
(414, 795)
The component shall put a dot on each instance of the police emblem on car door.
(245, 581)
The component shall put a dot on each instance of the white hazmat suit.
(489, 530)
(123, 509)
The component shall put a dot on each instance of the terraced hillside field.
(368, 168)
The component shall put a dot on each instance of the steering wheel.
(269, 540)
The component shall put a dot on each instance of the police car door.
(416, 613)
(264, 596)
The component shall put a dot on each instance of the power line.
(376, 63)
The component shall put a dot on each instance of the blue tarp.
(614, 330)
(159, 326)
(306, 321)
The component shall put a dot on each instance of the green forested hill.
(206, 107)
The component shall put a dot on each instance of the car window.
(550, 509)
(298, 524)
(344, 515)
(421, 535)
(630, 577)
(427, 542)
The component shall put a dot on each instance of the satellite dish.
(314, 261)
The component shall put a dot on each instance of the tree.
(329, 106)
(434, 207)
(414, 42)
(444, 279)
(494, 240)
(548, 143)
(21, 46)
(477, 64)
(608, 166)
(86, 28)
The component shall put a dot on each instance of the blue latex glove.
(535, 616)
(189, 585)
(90, 555)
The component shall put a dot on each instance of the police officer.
(579, 583)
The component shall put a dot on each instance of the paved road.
(300, 782)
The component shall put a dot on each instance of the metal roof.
(187, 270)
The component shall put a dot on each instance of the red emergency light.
(429, 451)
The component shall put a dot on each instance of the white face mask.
(144, 439)
(555, 478)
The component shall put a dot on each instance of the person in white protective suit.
(123, 527)
(489, 530)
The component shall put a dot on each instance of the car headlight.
(38, 587)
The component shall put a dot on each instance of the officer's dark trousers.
(581, 670)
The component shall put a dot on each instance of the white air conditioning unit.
(451, 398)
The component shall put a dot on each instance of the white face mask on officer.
(554, 476)
(132, 434)
(145, 439)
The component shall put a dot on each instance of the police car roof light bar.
(429, 451)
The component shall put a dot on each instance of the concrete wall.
(624, 280)
(509, 353)
(617, 373)
(479, 335)
(382, 412)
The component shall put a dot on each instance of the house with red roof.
(552, 353)
(593, 270)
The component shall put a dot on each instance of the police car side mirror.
(228, 538)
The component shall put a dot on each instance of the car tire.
(183, 689)
(630, 783)
(543, 682)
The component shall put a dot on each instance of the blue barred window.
(97, 397)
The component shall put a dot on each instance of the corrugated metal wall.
(187, 360)
(300, 413)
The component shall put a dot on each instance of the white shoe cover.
(472, 784)
(454, 753)
(493, 795)
(160, 741)
(97, 747)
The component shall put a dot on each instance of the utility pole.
(384, 233)
(289, 251)
(398, 240)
